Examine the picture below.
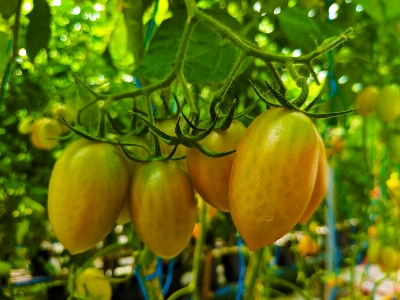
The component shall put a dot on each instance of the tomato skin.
(91, 284)
(210, 176)
(273, 175)
(87, 188)
(387, 106)
(366, 100)
(163, 207)
(320, 186)
(42, 130)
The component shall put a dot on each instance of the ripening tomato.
(273, 175)
(366, 99)
(320, 186)
(210, 176)
(87, 189)
(91, 284)
(60, 109)
(43, 132)
(305, 245)
(387, 106)
(163, 207)
(25, 125)
(388, 258)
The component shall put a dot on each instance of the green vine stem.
(277, 78)
(188, 95)
(193, 287)
(220, 94)
(252, 273)
(102, 123)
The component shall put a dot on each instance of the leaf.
(304, 32)
(38, 31)
(373, 8)
(118, 47)
(209, 58)
(8, 8)
(34, 205)
(22, 230)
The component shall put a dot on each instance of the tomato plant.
(210, 176)
(273, 175)
(163, 211)
(87, 189)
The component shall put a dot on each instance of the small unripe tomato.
(43, 132)
(61, 110)
(91, 284)
(25, 125)
(366, 99)
(387, 106)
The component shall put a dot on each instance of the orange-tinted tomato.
(210, 176)
(321, 184)
(163, 207)
(87, 189)
(366, 99)
(43, 132)
(273, 175)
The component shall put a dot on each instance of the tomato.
(388, 258)
(25, 125)
(87, 189)
(62, 110)
(387, 106)
(163, 207)
(210, 176)
(91, 284)
(320, 186)
(124, 215)
(374, 251)
(366, 99)
(305, 245)
(273, 175)
(43, 130)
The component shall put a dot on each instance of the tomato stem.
(252, 272)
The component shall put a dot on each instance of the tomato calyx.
(183, 137)
(288, 105)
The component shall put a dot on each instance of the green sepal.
(202, 135)
(226, 122)
(169, 139)
(280, 98)
(327, 115)
(262, 98)
(312, 103)
(114, 126)
(207, 152)
(191, 125)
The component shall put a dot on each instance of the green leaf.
(302, 31)
(34, 205)
(8, 8)
(38, 31)
(22, 230)
(374, 8)
(209, 58)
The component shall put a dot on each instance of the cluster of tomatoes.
(276, 178)
(45, 131)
